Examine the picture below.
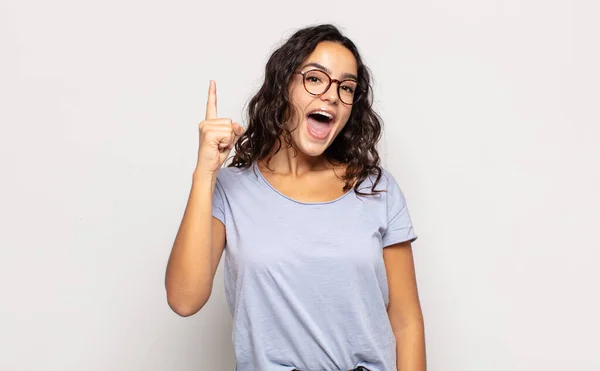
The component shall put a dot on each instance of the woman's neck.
(293, 162)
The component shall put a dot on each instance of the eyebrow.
(321, 67)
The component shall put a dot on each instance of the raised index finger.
(211, 105)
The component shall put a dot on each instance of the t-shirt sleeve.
(400, 227)
(218, 203)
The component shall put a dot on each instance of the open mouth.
(319, 124)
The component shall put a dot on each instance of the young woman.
(319, 271)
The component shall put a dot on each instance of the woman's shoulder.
(231, 176)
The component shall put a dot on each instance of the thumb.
(237, 129)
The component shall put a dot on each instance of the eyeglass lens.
(317, 82)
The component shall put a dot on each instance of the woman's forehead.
(333, 56)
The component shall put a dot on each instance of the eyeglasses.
(317, 82)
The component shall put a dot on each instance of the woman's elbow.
(186, 307)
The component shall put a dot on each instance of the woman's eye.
(349, 89)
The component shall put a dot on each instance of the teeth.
(326, 114)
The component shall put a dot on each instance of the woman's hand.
(217, 137)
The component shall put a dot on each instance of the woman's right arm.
(200, 239)
(196, 251)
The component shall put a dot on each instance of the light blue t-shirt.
(306, 282)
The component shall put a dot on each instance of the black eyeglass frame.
(358, 93)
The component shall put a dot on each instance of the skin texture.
(308, 176)
(338, 60)
(404, 310)
(200, 240)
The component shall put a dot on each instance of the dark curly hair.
(268, 111)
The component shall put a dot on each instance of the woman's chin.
(312, 148)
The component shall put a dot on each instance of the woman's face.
(312, 133)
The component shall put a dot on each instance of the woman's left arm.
(404, 309)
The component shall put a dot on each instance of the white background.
(492, 125)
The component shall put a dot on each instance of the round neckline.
(261, 176)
